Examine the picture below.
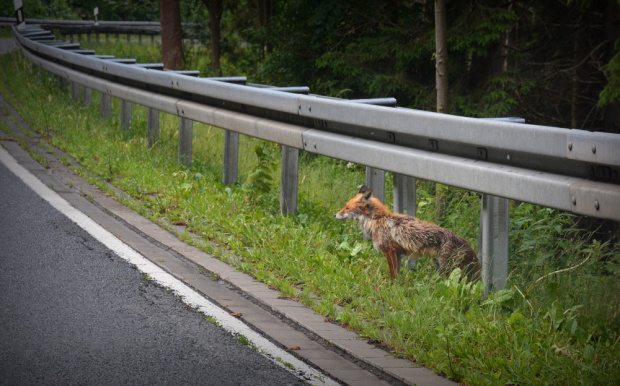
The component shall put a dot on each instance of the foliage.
(138, 10)
(558, 320)
(611, 92)
(552, 63)
(539, 61)
(39, 9)
(134, 10)
(260, 181)
(240, 42)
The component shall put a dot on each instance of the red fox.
(398, 236)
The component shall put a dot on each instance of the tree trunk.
(611, 115)
(441, 56)
(441, 80)
(215, 8)
(171, 38)
(266, 12)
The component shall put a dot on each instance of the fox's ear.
(363, 189)
(366, 194)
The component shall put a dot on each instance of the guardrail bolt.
(570, 146)
(574, 200)
(593, 149)
(596, 205)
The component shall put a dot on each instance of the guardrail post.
(231, 157)
(288, 183)
(152, 123)
(75, 91)
(87, 96)
(404, 194)
(375, 180)
(61, 82)
(106, 105)
(186, 130)
(493, 242)
(125, 114)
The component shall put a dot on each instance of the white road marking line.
(163, 278)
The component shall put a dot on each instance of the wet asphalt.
(72, 312)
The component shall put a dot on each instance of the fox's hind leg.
(468, 262)
(444, 261)
(453, 255)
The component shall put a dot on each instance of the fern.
(260, 182)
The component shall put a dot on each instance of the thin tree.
(611, 116)
(441, 56)
(215, 8)
(266, 12)
(171, 36)
(441, 84)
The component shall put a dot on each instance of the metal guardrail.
(567, 169)
(89, 25)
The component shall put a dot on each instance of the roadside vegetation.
(557, 321)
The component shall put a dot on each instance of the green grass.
(557, 321)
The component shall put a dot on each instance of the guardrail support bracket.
(152, 123)
(75, 91)
(186, 131)
(125, 114)
(231, 157)
(106, 105)
(289, 176)
(87, 96)
(404, 194)
(375, 180)
(493, 242)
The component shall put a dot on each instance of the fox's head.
(358, 207)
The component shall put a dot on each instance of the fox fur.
(399, 235)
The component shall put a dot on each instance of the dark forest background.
(552, 62)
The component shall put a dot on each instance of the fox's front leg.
(393, 261)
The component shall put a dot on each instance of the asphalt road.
(72, 312)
